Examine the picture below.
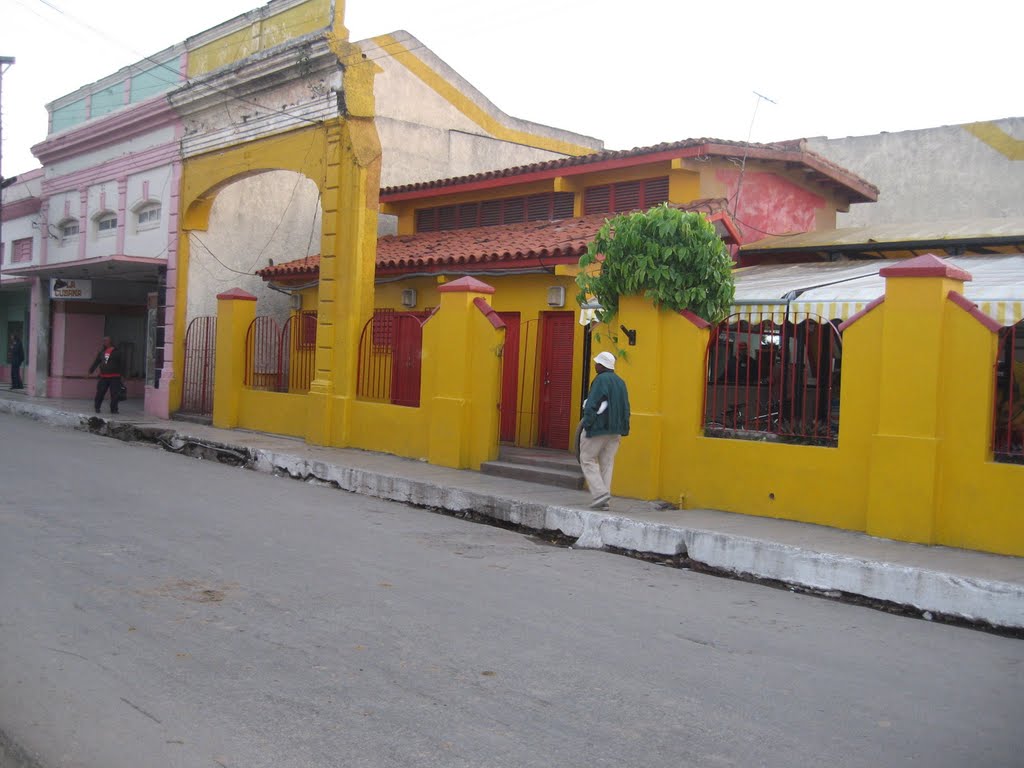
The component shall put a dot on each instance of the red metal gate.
(198, 366)
(298, 352)
(406, 356)
(390, 357)
(555, 379)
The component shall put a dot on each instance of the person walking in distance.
(605, 423)
(108, 360)
(16, 356)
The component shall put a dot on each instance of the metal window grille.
(1008, 420)
(772, 377)
(263, 354)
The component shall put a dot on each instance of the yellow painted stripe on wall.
(998, 139)
(261, 35)
(467, 106)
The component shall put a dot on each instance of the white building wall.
(934, 174)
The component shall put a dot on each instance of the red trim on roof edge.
(489, 312)
(928, 265)
(613, 159)
(236, 294)
(972, 309)
(465, 285)
(858, 315)
(700, 322)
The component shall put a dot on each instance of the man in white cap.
(605, 423)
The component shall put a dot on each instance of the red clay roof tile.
(504, 246)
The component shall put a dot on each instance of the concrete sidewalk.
(934, 582)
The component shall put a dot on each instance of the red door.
(509, 377)
(555, 379)
(406, 360)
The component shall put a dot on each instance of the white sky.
(630, 73)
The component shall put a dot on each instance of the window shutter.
(469, 215)
(22, 250)
(538, 207)
(655, 192)
(564, 204)
(446, 217)
(626, 196)
(515, 211)
(490, 213)
(426, 220)
(597, 200)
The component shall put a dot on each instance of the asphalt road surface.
(157, 610)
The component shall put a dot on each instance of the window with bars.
(21, 251)
(625, 196)
(511, 210)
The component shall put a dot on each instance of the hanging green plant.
(673, 258)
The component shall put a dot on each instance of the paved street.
(162, 611)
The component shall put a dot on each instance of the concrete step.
(563, 478)
(539, 457)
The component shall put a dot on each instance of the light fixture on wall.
(556, 296)
(409, 297)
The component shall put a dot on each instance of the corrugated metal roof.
(905, 236)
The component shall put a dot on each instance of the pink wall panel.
(769, 204)
(82, 337)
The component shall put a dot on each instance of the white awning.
(837, 291)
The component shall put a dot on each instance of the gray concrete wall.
(934, 174)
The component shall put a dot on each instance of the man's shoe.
(601, 502)
(97, 410)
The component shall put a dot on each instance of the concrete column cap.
(236, 294)
(466, 285)
(928, 265)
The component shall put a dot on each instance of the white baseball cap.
(607, 359)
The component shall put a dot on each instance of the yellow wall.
(981, 500)
(262, 34)
(280, 413)
(527, 295)
(914, 457)
(391, 428)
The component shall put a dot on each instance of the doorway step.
(536, 465)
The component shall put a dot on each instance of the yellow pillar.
(236, 309)
(638, 463)
(904, 474)
(462, 372)
(347, 260)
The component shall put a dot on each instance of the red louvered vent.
(597, 200)
(655, 192)
(564, 205)
(446, 217)
(538, 208)
(490, 213)
(626, 196)
(469, 215)
(515, 211)
(426, 220)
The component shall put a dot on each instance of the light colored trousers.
(597, 460)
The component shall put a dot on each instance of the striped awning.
(837, 291)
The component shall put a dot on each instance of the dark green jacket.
(615, 420)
